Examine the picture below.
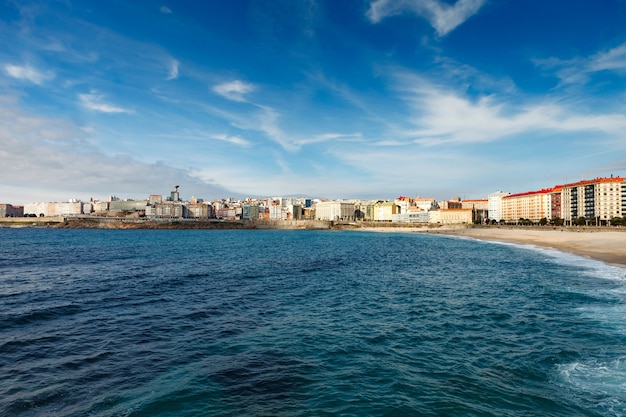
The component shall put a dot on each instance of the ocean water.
(304, 323)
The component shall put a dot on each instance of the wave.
(604, 380)
(592, 267)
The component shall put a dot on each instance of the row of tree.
(557, 221)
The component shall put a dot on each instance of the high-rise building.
(531, 205)
(597, 200)
(494, 205)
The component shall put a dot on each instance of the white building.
(411, 217)
(334, 210)
(434, 216)
(494, 205)
(425, 204)
(72, 208)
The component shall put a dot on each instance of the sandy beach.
(607, 246)
(601, 244)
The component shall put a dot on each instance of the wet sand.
(607, 246)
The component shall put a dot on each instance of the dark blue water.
(304, 323)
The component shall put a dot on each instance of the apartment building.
(403, 204)
(384, 211)
(168, 210)
(456, 216)
(198, 210)
(334, 210)
(532, 205)
(597, 200)
(250, 211)
(494, 205)
(425, 204)
(413, 214)
(482, 204)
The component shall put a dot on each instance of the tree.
(557, 221)
(581, 221)
(543, 221)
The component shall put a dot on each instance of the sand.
(607, 246)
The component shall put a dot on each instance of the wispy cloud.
(65, 161)
(173, 72)
(442, 16)
(235, 140)
(27, 73)
(95, 101)
(234, 90)
(579, 69)
(266, 121)
(327, 137)
(443, 116)
(165, 10)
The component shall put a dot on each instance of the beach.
(608, 246)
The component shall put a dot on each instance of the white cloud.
(173, 72)
(442, 116)
(235, 140)
(234, 90)
(27, 73)
(442, 16)
(326, 137)
(611, 60)
(61, 159)
(578, 70)
(266, 120)
(94, 101)
(165, 10)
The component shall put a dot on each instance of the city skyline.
(366, 99)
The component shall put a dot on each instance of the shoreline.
(605, 246)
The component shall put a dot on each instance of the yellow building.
(533, 205)
(482, 204)
(456, 216)
(384, 211)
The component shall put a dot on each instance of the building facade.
(250, 211)
(9, 210)
(494, 205)
(198, 211)
(71, 208)
(425, 204)
(597, 200)
(384, 211)
(411, 216)
(168, 210)
(532, 206)
(456, 216)
(334, 210)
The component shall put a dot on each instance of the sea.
(304, 323)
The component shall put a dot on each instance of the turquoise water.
(304, 323)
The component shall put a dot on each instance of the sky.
(369, 99)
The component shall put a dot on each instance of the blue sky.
(320, 98)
